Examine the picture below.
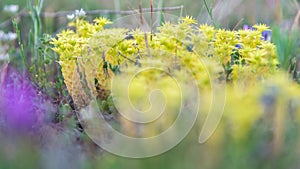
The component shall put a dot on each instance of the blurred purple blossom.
(239, 46)
(246, 27)
(267, 35)
(18, 98)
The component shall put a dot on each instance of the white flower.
(80, 13)
(11, 8)
(71, 16)
(76, 14)
(4, 56)
(2, 34)
(10, 36)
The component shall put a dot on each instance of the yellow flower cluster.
(90, 54)
(243, 53)
(80, 65)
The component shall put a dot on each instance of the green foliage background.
(260, 127)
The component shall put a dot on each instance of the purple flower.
(246, 27)
(267, 35)
(238, 46)
(17, 103)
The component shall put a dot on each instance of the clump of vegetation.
(43, 69)
(90, 53)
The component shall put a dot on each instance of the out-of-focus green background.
(226, 12)
(63, 145)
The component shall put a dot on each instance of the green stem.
(22, 53)
(117, 7)
(209, 11)
(160, 5)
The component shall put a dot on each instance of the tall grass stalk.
(35, 11)
(117, 4)
(210, 12)
(38, 67)
(287, 42)
(22, 53)
(160, 15)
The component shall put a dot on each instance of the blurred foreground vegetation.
(40, 129)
